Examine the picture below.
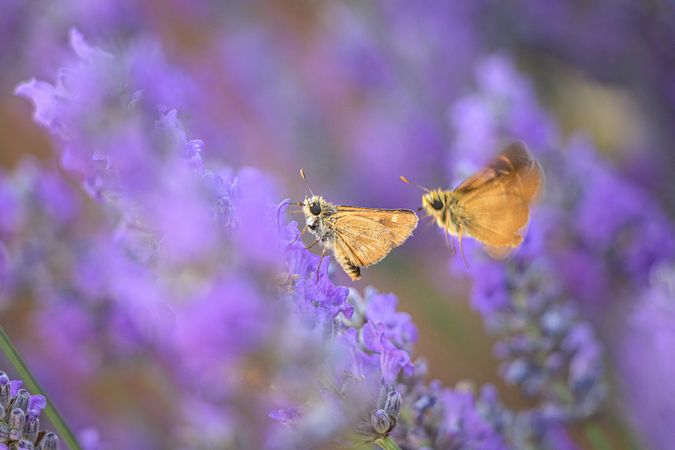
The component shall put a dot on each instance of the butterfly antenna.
(304, 178)
(407, 181)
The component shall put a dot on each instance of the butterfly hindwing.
(363, 236)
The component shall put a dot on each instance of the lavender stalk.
(24, 372)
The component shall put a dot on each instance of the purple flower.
(399, 327)
(645, 340)
(314, 295)
(392, 361)
(286, 415)
(503, 108)
(19, 417)
(464, 425)
(175, 281)
(543, 340)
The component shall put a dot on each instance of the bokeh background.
(359, 93)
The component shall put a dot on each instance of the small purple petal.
(37, 403)
(15, 385)
(286, 415)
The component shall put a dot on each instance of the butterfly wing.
(363, 236)
(495, 202)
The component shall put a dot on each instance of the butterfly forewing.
(513, 169)
(494, 203)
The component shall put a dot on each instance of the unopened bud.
(5, 390)
(21, 400)
(17, 420)
(30, 430)
(393, 404)
(382, 394)
(380, 421)
(23, 444)
(49, 442)
(4, 433)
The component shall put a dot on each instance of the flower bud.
(23, 444)
(5, 390)
(4, 433)
(21, 400)
(49, 442)
(30, 430)
(393, 404)
(380, 421)
(17, 420)
(382, 394)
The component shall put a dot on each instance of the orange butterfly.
(359, 237)
(493, 205)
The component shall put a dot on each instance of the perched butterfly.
(358, 237)
(493, 205)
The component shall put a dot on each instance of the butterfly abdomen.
(353, 271)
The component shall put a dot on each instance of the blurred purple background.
(144, 148)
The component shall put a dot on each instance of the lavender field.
(156, 293)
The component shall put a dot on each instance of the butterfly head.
(316, 209)
(434, 202)
(312, 206)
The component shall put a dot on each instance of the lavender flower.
(576, 260)
(20, 418)
(548, 349)
(216, 318)
(152, 258)
(645, 340)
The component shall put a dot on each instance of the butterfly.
(491, 206)
(358, 237)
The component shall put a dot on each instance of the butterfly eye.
(437, 204)
(315, 209)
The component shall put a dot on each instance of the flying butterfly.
(358, 237)
(491, 206)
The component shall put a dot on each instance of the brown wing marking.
(346, 258)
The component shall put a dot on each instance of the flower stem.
(24, 373)
(387, 444)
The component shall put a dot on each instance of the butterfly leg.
(461, 250)
(312, 244)
(449, 241)
(299, 236)
(323, 253)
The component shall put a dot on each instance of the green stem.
(24, 373)
(387, 444)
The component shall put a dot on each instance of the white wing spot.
(394, 218)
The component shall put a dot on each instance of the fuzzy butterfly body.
(358, 237)
(493, 205)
